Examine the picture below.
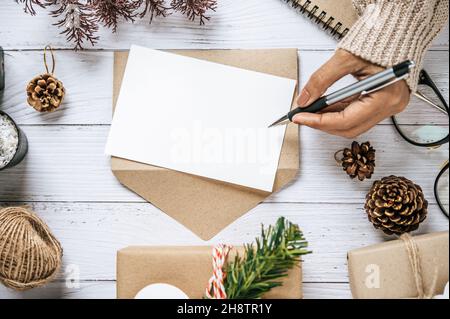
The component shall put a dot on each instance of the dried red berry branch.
(80, 19)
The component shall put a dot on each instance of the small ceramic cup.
(22, 145)
(2, 69)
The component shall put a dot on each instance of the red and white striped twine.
(216, 283)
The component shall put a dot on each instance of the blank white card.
(200, 118)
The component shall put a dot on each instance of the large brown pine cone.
(45, 93)
(359, 160)
(396, 205)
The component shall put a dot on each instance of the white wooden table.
(66, 177)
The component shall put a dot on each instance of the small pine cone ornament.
(359, 160)
(45, 93)
(396, 205)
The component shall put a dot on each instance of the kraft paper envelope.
(187, 268)
(203, 205)
(218, 115)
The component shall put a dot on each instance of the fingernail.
(303, 98)
(297, 119)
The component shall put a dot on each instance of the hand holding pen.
(355, 115)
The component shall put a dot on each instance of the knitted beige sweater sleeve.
(389, 32)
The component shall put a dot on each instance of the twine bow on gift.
(216, 288)
(415, 262)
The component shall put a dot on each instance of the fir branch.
(195, 8)
(76, 20)
(29, 5)
(108, 12)
(154, 8)
(262, 267)
(80, 19)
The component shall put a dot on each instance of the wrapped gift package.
(384, 270)
(186, 268)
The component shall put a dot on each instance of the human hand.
(355, 115)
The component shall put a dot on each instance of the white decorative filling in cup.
(9, 140)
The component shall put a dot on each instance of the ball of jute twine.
(30, 256)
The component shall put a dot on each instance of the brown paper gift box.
(390, 261)
(203, 205)
(187, 268)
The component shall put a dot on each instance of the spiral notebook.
(335, 16)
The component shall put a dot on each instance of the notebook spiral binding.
(312, 13)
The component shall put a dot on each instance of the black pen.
(371, 84)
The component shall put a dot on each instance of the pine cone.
(359, 161)
(396, 205)
(45, 93)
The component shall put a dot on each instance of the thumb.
(322, 79)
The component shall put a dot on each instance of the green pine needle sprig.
(266, 261)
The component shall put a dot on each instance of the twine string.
(30, 255)
(338, 161)
(48, 47)
(416, 266)
(216, 288)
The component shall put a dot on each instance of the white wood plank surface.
(67, 163)
(87, 77)
(107, 290)
(66, 177)
(331, 230)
